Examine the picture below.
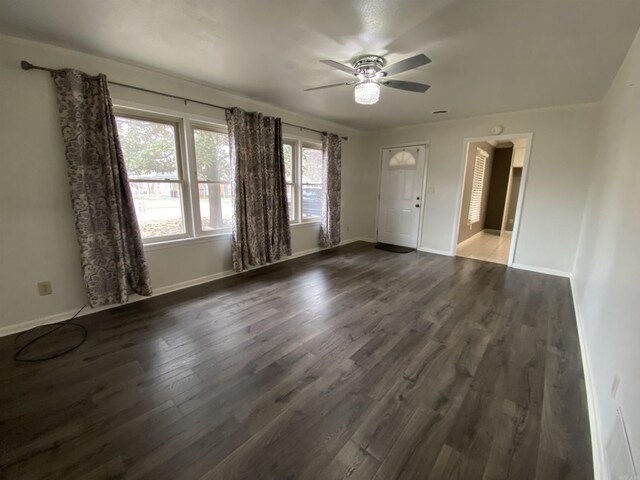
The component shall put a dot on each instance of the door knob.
(417, 205)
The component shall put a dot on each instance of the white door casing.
(401, 181)
(527, 139)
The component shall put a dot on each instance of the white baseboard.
(59, 317)
(38, 322)
(547, 271)
(436, 251)
(597, 448)
(361, 239)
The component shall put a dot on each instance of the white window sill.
(218, 237)
(304, 223)
(182, 242)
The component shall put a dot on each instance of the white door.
(401, 195)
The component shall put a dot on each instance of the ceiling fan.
(370, 73)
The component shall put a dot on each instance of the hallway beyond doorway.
(492, 186)
(488, 246)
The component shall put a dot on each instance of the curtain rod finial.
(26, 65)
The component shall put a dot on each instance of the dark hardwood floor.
(354, 363)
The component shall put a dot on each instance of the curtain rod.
(30, 66)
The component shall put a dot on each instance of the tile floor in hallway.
(487, 246)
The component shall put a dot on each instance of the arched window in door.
(402, 160)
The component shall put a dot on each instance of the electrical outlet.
(44, 288)
(615, 385)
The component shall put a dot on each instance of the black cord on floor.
(65, 323)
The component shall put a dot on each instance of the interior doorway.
(491, 196)
(402, 177)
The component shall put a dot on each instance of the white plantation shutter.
(475, 203)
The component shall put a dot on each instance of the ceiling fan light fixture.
(367, 93)
(371, 71)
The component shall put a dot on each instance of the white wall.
(607, 268)
(560, 164)
(37, 232)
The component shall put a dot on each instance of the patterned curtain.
(111, 251)
(260, 206)
(331, 165)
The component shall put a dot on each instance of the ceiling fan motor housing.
(369, 67)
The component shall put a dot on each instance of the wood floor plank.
(415, 452)
(351, 463)
(351, 363)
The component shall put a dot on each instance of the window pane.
(311, 201)
(288, 162)
(158, 208)
(212, 155)
(291, 204)
(215, 205)
(311, 165)
(149, 149)
(402, 160)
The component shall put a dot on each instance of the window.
(303, 171)
(288, 150)
(213, 167)
(402, 160)
(180, 175)
(152, 156)
(477, 186)
(311, 183)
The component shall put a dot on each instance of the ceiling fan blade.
(407, 64)
(329, 86)
(339, 66)
(408, 86)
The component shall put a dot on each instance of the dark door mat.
(394, 248)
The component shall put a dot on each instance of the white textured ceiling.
(488, 55)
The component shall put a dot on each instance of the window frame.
(195, 192)
(311, 146)
(295, 183)
(185, 122)
(177, 122)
